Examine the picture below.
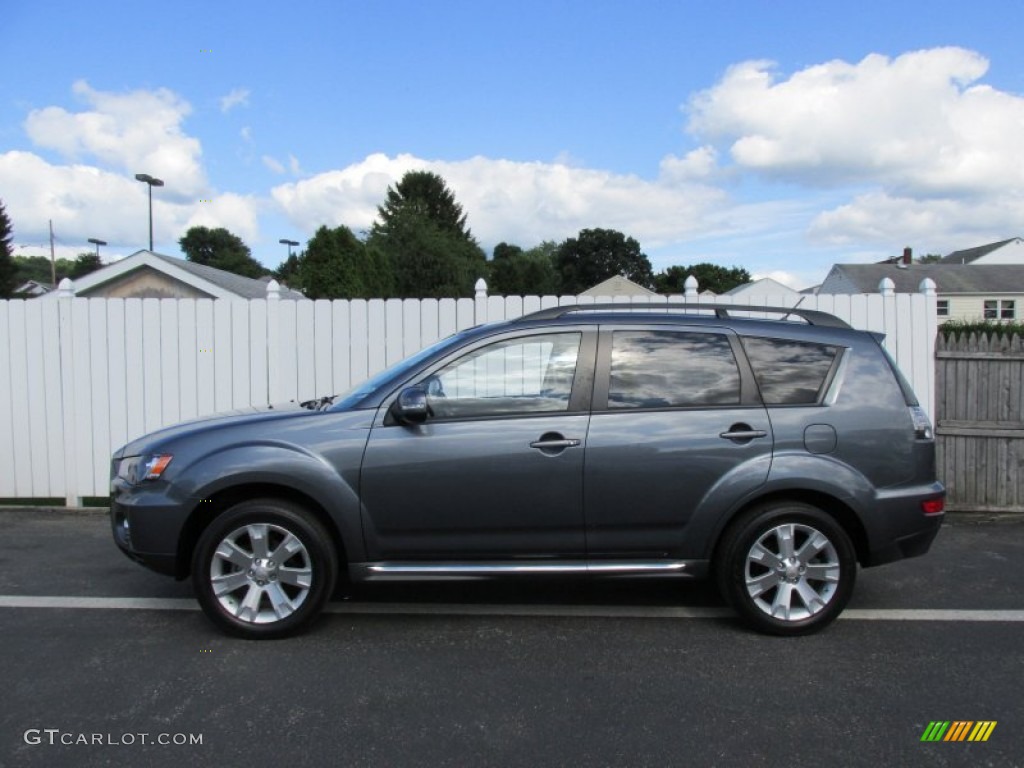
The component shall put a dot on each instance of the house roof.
(766, 286)
(967, 255)
(215, 282)
(618, 286)
(33, 288)
(948, 278)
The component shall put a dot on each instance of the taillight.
(922, 425)
(933, 506)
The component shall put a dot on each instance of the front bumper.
(147, 526)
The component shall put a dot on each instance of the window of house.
(1000, 309)
(942, 307)
(659, 369)
(789, 372)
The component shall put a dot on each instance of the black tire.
(275, 566)
(786, 594)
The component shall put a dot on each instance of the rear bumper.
(901, 529)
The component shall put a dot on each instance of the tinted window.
(533, 374)
(656, 369)
(789, 372)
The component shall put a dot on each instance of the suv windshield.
(398, 371)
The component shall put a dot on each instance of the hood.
(239, 416)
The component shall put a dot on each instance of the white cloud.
(918, 123)
(930, 151)
(272, 164)
(138, 132)
(519, 202)
(237, 213)
(239, 97)
(927, 225)
(84, 201)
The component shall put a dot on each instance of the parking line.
(477, 609)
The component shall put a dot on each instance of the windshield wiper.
(318, 404)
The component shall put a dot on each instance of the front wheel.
(787, 569)
(264, 569)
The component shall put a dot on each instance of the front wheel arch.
(265, 568)
(208, 509)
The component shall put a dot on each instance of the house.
(766, 287)
(146, 274)
(32, 288)
(968, 291)
(618, 286)
(1004, 252)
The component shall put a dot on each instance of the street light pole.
(152, 182)
(289, 243)
(97, 243)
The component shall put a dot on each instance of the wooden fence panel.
(980, 422)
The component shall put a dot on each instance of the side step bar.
(413, 571)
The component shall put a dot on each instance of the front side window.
(532, 374)
(659, 369)
(789, 372)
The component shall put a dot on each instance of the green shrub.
(988, 328)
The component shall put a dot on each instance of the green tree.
(598, 254)
(337, 265)
(221, 249)
(710, 277)
(929, 258)
(421, 234)
(8, 269)
(287, 272)
(84, 264)
(426, 194)
(515, 272)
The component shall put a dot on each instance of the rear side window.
(789, 372)
(655, 369)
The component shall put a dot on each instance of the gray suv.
(773, 455)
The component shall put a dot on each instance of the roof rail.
(811, 316)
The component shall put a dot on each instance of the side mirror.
(411, 406)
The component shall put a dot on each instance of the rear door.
(677, 423)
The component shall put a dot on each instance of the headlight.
(156, 465)
(133, 471)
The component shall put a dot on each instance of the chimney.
(908, 256)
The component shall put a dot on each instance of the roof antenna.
(801, 301)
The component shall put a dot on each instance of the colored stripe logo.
(958, 730)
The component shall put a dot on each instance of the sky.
(781, 137)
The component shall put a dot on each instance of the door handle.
(554, 444)
(742, 433)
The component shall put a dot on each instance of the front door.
(496, 472)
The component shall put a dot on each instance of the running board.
(413, 571)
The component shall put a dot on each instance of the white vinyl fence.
(81, 377)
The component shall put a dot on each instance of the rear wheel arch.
(841, 512)
(787, 567)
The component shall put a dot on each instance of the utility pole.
(53, 260)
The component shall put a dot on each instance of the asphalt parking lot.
(104, 661)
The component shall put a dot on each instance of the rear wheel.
(264, 569)
(787, 568)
